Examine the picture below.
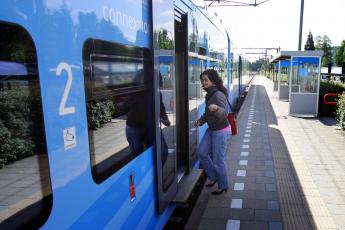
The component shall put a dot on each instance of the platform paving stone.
(250, 225)
(265, 179)
(254, 204)
(294, 179)
(275, 226)
(269, 174)
(242, 214)
(272, 205)
(215, 224)
(236, 203)
(267, 215)
(271, 187)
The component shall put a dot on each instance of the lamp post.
(300, 25)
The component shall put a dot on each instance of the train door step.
(186, 185)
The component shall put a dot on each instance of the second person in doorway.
(212, 149)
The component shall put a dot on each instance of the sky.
(275, 23)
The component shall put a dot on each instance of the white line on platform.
(239, 186)
(241, 173)
(243, 162)
(244, 154)
(236, 203)
(233, 225)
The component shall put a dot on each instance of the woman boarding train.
(218, 133)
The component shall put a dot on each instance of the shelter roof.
(285, 55)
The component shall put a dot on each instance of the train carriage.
(97, 103)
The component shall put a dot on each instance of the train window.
(119, 104)
(110, 73)
(25, 191)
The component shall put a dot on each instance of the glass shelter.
(303, 81)
(275, 75)
(283, 79)
(282, 83)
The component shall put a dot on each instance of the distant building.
(334, 70)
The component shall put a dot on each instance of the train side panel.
(59, 30)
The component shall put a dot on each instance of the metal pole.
(301, 25)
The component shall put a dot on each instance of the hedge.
(329, 87)
(340, 114)
(16, 126)
(99, 113)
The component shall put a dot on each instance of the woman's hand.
(197, 123)
(213, 107)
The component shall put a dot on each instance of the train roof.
(202, 8)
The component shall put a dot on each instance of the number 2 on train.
(63, 110)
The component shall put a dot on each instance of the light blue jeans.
(215, 143)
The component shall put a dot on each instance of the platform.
(284, 172)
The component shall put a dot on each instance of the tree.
(324, 43)
(340, 54)
(309, 45)
(257, 65)
(164, 41)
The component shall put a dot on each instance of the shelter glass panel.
(285, 71)
(305, 72)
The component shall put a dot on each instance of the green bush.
(329, 87)
(340, 114)
(99, 113)
(16, 126)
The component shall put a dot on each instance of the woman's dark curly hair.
(214, 77)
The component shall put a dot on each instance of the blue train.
(97, 102)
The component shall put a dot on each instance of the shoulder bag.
(232, 120)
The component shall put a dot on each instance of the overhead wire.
(233, 3)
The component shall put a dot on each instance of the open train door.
(176, 139)
(165, 103)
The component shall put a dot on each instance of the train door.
(171, 70)
(182, 105)
(165, 102)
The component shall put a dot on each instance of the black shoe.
(211, 183)
(219, 191)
